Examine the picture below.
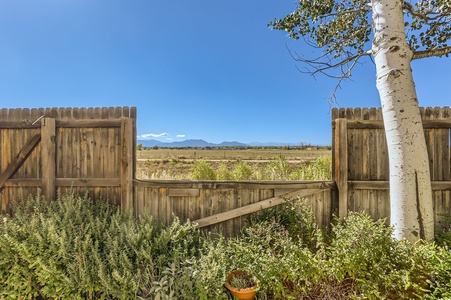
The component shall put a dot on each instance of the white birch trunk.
(411, 206)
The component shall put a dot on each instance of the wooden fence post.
(127, 163)
(48, 129)
(341, 165)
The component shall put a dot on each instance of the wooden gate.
(86, 149)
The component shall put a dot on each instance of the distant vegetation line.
(140, 147)
(202, 143)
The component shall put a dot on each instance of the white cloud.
(153, 135)
(180, 135)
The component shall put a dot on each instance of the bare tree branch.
(319, 66)
(431, 52)
(425, 16)
(325, 63)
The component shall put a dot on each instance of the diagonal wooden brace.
(254, 207)
(20, 159)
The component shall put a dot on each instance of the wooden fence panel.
(195, 200)
(13, 139)
(368, 172)
(88, 152)
(94, 151)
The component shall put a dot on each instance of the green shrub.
(443, 235)
(440, 275)
(278, 169)
(223, 173)
(319, 169)
(383, 268)
(297, 218)
(202, 170)
(242, 171)
(75, 248)
(266, 251)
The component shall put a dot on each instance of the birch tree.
(392, 33)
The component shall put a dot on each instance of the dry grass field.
(173, 163)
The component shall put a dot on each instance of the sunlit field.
(172, 163)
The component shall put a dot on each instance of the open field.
(173, 163)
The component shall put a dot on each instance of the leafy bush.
(223, 173)
(242, 171)
(443, 235)
(383, 267)
(278, 169)
(202, 170)
(440, 275)
(319, 169)
(297, 218)
(266, 251)
(75, 248)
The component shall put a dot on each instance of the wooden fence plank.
(128, 156)
(177, 192)
(19, 160)
(251, 208)
(341, 165)
(48, 158)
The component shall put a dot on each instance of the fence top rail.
(224, 184)
(379, 124)
(66, 113)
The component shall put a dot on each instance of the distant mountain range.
(202, 143)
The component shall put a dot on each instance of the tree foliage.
(342, 30)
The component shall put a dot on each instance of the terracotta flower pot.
(244, 293)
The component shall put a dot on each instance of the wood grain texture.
(85, 144)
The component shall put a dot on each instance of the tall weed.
(278, 169)
(223, 173)
(242, 171)
(319, 169)
(202, 170)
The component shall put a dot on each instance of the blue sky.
(197, 69)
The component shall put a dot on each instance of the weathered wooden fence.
(221, 206)
(93, 150)
(88, 149)
(360, 159)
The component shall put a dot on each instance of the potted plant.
(241, 284)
